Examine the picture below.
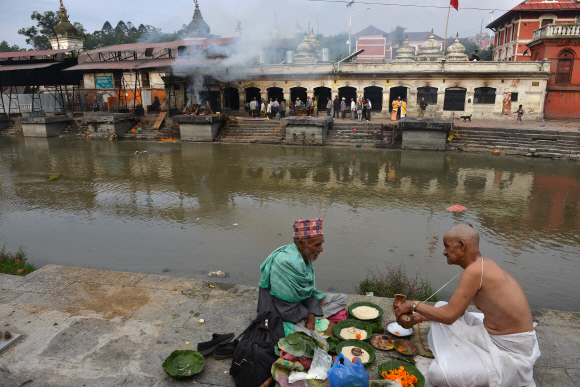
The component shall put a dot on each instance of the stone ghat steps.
(367, 134)
(252, 131)
(168, 129)
(560, 145)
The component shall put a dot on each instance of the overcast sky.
(257, 16)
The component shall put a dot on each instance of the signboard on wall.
(104, 81)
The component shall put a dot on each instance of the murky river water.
(185, 209)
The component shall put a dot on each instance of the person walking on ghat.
(495, 348)
(336, 104)
(422, 107)
(343, 108)
(315, 106)
(359, 109)
(275, 107)
(352, 109)
(400, 102)
(269, 109)
(520, 113)
(283, 108)
(263, 108)
(403, 108)
(328, 106)
(253, 108)
(395, 111)
(369, 108)
(156, 104)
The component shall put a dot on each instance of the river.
(184, 209)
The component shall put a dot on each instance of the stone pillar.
(242, 94)
(287, 98)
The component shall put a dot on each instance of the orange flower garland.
(406, 379)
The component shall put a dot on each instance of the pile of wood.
(197, 110)
(304, 112)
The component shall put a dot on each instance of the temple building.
(197, 28)
(67, 36)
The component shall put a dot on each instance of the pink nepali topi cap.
(306, 229)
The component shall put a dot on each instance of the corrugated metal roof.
(533, 7)
(102, 66)
(27, 66)
(33, 53)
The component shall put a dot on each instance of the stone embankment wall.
(511, 141)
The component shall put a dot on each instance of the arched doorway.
(375, 94)
(298, 92)
(253, 92)
(322, 93)
(276, 92)
(396, 92)
(347, 92)
(232, 98)
(454, 99)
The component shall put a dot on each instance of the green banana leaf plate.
(411, 369)
(184, 363)
(351, 307)
(353, 323)
(360, 344)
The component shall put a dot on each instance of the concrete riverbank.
(84, 327)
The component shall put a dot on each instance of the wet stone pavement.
(85, 327)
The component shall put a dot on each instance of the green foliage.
(377, 327)
(37, 36)
(184, 363)
(487, 54)
(5, 47)
(398, 35)
(332, 343)
(299, 344)
(123, 33)
(14, 263)
(395, 280)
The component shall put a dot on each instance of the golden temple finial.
(62, 14)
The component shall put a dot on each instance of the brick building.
(560, 44)
(515, 29)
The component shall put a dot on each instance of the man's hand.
(310, 322)
(322, 302)
(405, 308)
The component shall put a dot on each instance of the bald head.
(464, 232)
(461, 245)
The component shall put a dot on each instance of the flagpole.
(446, 26)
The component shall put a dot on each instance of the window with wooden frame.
(145, 82)
(484, 95)
(429, 93)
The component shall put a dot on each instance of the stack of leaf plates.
(352, 307)
(360, 344)
(184, 363)
(353, 323)
(411, 369)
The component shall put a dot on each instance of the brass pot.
(406, 321)
(399, 300)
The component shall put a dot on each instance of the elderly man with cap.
(288, 285)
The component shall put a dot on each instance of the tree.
(121, 28)
(37, 36)
(336, 44)
(5, 47)
(398, 36)
(107, 28)
(487, 54)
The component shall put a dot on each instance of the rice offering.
(365, 313)
(347, 352)
(353, 333)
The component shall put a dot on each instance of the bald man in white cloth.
(497, 348)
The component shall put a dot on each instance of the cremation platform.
(425, 133)
(306, 130)
(199, 128)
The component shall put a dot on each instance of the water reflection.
(191, 208)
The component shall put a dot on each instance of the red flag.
(455, 4)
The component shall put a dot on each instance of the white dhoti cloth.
(466, 355)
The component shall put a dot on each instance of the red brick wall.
(562, 104)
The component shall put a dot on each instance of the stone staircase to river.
(366, 135)
(512, 141)
(258, 131)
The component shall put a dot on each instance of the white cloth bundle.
(466, 355)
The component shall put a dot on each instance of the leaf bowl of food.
(397, 369)
(365, 311)
(353, 330)
(184, 363)
(353, 349)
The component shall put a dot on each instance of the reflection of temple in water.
(180, 182)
